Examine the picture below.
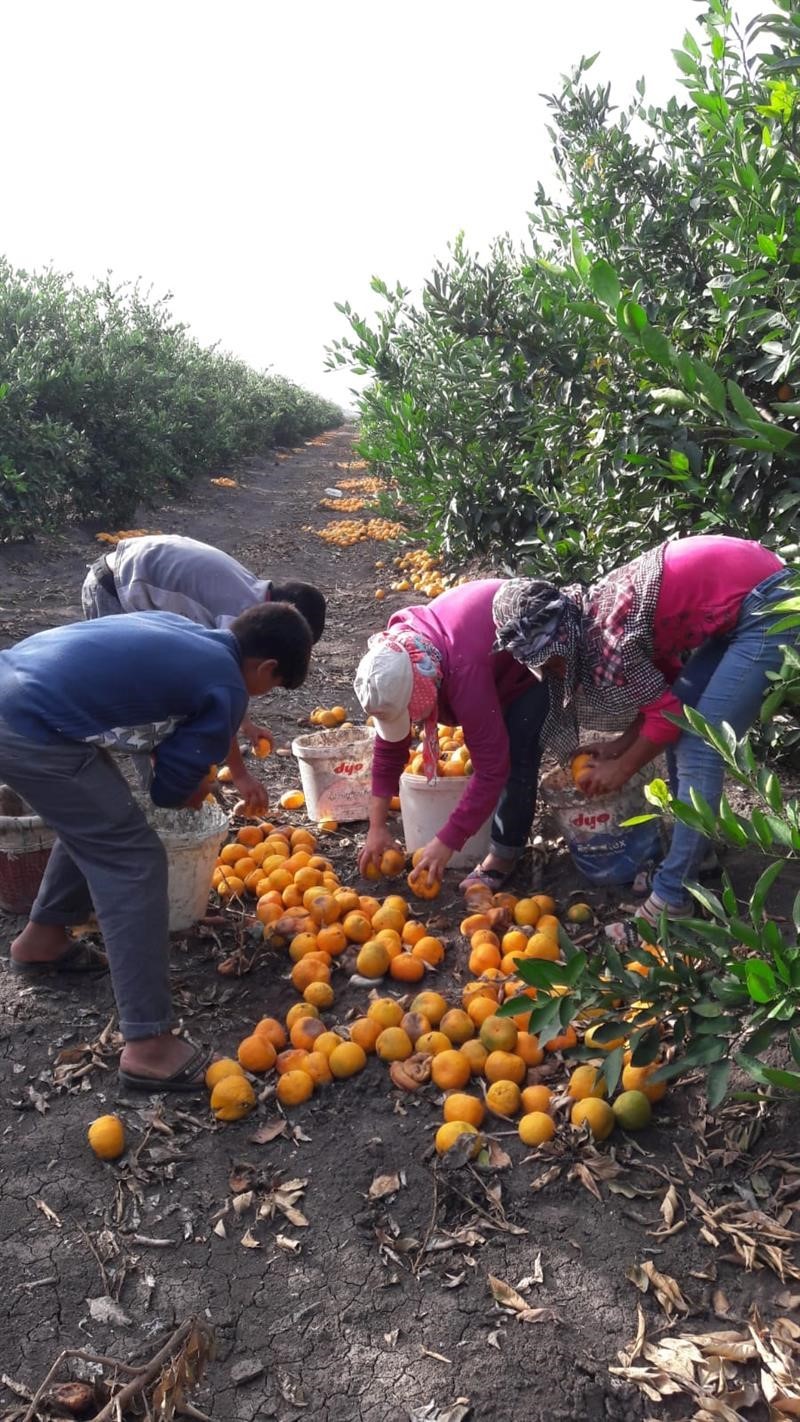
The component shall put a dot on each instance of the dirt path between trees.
(374, 1303)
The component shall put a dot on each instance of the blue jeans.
(725, 680)
(515, 808)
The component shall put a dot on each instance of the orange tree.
(631, 371)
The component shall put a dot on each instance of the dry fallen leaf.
(384, 1185)
(503, 1294)
(292, 1246)
(665, 1288)
(249, 1241)
(269, 1131)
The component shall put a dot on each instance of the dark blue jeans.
(725, 679)
(513, 817)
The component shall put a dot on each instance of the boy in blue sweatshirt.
(154, 682)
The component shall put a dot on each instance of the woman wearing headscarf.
(436, 664)
(615, 656)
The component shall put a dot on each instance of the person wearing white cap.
(439, 663)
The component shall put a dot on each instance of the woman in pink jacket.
(684, 624)
(440, 663)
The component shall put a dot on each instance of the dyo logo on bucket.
(349, 767)
(586, 821)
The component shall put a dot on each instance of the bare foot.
(40, 943)
(157, 1057)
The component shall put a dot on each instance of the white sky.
(263, 160)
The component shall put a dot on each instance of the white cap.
(384, 683)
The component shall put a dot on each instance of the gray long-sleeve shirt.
(170, 573)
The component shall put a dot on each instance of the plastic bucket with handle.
(426, 806)
(602, 847)
(336, 772)
(192, 839)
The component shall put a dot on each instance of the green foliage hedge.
(633, 371)
(107, 402)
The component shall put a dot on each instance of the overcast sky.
(262, 161)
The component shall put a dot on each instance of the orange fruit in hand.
(347, 1060)
(394, 1045)
(504, 1066)
(536, 1127)
(256, 1053)
(536, 1098)
(503, 1098)
(393, 862)
(450, 1069)
(294, 1087)
(579, 765)
(596, 1114)
(420, 883)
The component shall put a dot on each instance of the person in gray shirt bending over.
(169, 573)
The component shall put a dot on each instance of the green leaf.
(717, 1083)
(761, 983)
(605, 282)
(741, 404)
(762, 888)
(711, 386)
(768, 1076)
(656, 345)
(767, 245)
(612, 1068)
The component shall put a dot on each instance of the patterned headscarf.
(426, 669)
(604, 634)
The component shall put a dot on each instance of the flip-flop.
(81, 957)
(493, 879)
(184, 1079)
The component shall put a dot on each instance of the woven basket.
(25, 844)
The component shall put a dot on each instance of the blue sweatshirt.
(146, 681)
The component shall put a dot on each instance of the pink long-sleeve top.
(477, 685)
(703, 585)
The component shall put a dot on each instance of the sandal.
(82, 957)
(188, 1078)
(653, 907)
(493, 879)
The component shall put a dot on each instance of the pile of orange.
(453, 757)
(351, 505)
(115, 538)
(485, 1063)
(347, 531)
(328, 717)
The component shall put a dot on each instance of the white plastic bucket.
(426, 806)
(336, 772)
(602, 847)
(192, 839)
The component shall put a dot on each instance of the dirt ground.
(375, 1302)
